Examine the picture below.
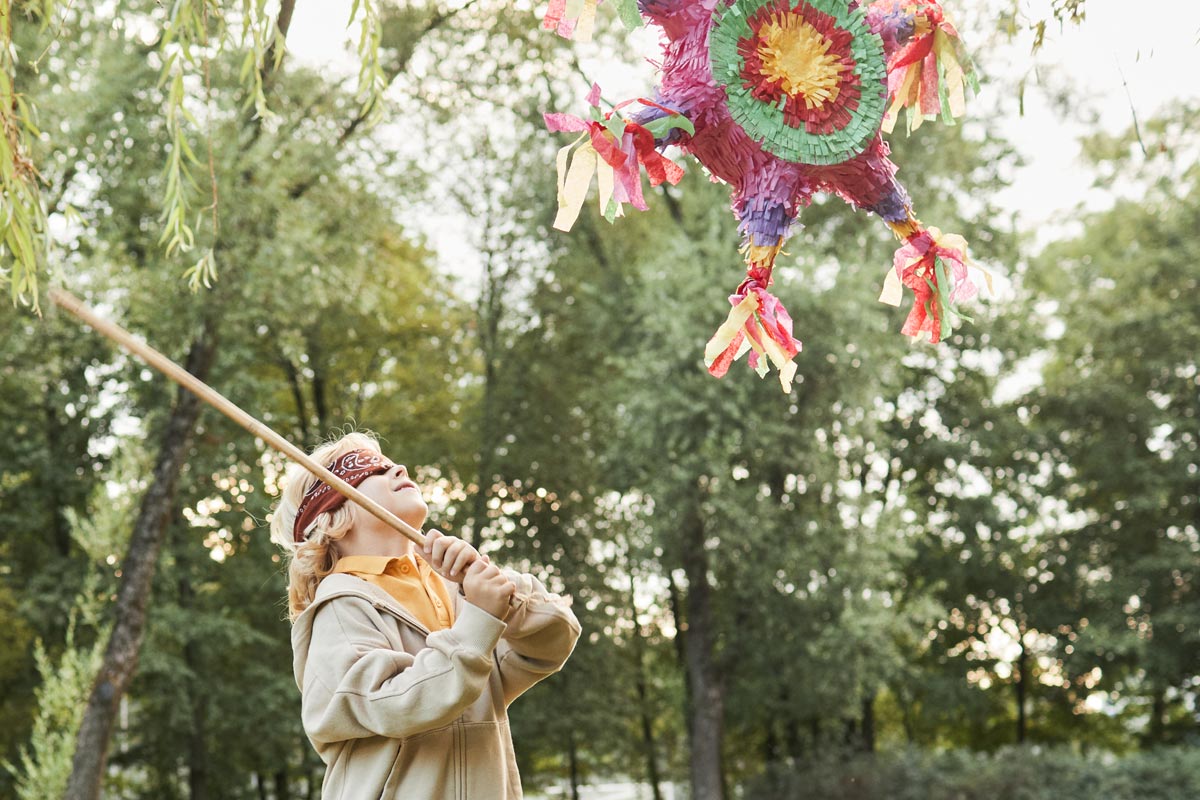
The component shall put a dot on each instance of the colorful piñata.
(781, 99)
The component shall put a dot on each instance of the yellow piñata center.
(797, 55)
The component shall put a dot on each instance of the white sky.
(1155, 44)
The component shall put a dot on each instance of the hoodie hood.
(345, 585)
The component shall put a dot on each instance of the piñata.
(780, 99)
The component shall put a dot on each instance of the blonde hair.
(311, 560)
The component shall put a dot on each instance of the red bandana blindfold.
(354, 468)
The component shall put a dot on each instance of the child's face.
(398, 493)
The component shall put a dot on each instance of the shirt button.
(404, 568)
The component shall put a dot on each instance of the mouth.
(406, 484)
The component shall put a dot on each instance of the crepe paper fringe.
(615, 149)
(934, 266)
(928, 70)
(757, 324)
(827, 133)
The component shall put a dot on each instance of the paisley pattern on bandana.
(354, 468)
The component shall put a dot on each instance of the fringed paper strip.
(805, 80)
(571, 19)
(576, 19)
(929, 73)
(934, 266)
(758, 324)
(616, 150)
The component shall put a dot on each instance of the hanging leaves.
(23, 229)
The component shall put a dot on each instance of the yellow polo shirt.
(410, 580)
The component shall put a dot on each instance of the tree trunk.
(1022, 676)
(643, 694)
(293, 377)
(793, 745)
(137, 574)
(772, 753)
(197, 747)
(573, 764)
(708, 707)
(868, 723)
(282, 792)
(680, 644)
(258, 783)
(647, 730)
(58, 521)
(1158, 716)
(910, 735)
(320, 404)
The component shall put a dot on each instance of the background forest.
(962, 571)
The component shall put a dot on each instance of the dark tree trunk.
(708, 698)
(772, 753)
(647, 727)
(906, 718)
(643, 694)
(320, 402)
(258, 783)
(293, 376)
(791, 739)
(58, 521)
(197, 747)
(282, 792)
(868, 723)
(1022, 677)
(137, 574)
(680, 643)
(573, 764)
(1158, 716)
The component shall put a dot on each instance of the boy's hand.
(487, 587)
(448, 555)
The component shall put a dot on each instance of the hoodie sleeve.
(355, 685)
(541, 634)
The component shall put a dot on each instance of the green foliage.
(42, 771)
(1012, 773)
(877, 542)
(66, 678)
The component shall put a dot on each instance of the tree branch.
(395, 70)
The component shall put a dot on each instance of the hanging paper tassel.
(930, 73)
(934, 266)
(616, 150)
(575, 19)
(571, 18)
(758, 324)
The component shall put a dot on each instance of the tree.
(1119, 406)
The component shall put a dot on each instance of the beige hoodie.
(395, 711)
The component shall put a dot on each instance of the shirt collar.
(376, 565)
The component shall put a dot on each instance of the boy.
(406, 661)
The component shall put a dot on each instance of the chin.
(413, 511)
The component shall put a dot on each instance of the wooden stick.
(206, 393)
